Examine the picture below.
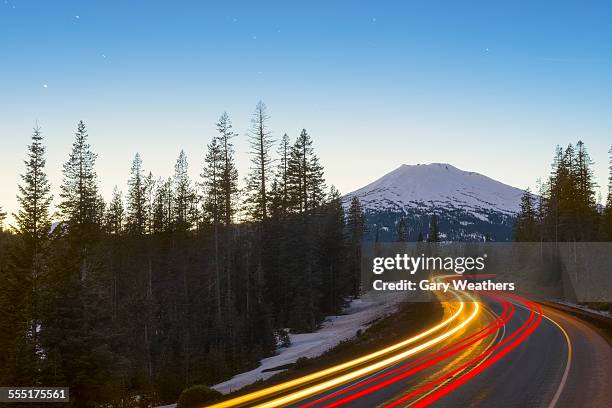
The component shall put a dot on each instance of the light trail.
(491, 344)
(422, 362)
(340, 367)
(439, 356)
(527, 329)
(298, 395)
(568, 362)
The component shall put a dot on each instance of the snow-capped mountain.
(469, 206)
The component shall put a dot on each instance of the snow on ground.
(604, 313)
(358, 315)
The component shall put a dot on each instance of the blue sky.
(484, 86)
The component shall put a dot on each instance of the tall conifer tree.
(150, 184)
(183, 193)
(434, 229)
(24, 282)
(2, 218)
(33, 219)
(79, 190)
(357, 227)
(137, 198)
(607, 222)
(525, 228)
(115, 214)
(305, 175)
(260, 139)
(402, 230)
(229, 173)
(213, 201)
(282, 176)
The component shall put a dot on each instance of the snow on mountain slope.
(469, 206)
(438, 185)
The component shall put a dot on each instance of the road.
(492, 350)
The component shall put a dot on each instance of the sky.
(485, 86)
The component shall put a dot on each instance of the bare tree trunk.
(217, 274)
(148, 350)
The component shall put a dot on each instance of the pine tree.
(565, 209)
(260, 140)
(568, 197)
(79, 190)
(570, 212)
(137, 199)
(213, 202)
(586, 211)
(229, 174)
(315, 182)
(22, 285)
(558, 185)
(585, 182)
(434, 229)
(609, 198)
(541, 205)
(150, 185)
(281, 182)
(183, 194)
(211, 183)
(607, 222)
(306, 184)
(114, 227)
(336, 280)
(2, 218)
(33, 219)
(525, 228)
(402, 230)
(163, 206)
(356, 226)
(76, 331)
(115, 214)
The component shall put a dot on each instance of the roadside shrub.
(301, 362)
(197, 396)
(282, 338)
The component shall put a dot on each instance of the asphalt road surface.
(504, 351)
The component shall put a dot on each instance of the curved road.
(513, 353)
(534, 373)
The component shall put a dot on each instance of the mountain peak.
(432, 167)
(438, 185)
(446, 165)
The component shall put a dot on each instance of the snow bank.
(603, 313)
(358, 315)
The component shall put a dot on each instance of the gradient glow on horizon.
(486, 87)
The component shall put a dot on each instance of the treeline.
(177, 282)
(565, 207)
